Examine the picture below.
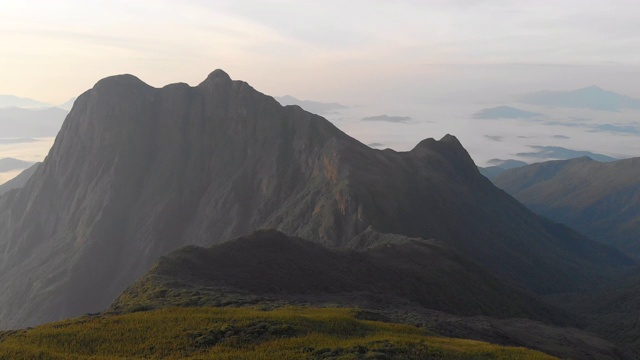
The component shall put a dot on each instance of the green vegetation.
(242, 333)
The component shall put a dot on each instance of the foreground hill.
(270, 267)
(601, 200)
(397, 279)
(209, 333)
(137, 172)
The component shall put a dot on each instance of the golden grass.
(242, 333)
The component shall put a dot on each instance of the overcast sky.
(321, 50)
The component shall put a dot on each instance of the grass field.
(242, 333)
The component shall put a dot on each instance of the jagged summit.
(455, 157)
(447, 139)
(218, 79)
(450, 139)
(426, 143)
(218, 74)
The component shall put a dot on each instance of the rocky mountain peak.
(137, 172)
(120, 82)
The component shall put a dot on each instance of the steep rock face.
(137, 172)
(601, 200)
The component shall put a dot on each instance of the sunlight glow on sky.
(438, 62)
(54, 50)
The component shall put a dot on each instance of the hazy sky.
(322, 50)
(437, 62)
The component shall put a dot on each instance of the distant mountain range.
(601, 200)
(30, 123)
(15, 101)
(560, 153)
(498, 166)
(8, 101)
(591, 97)
(20, 180)
(10, 164)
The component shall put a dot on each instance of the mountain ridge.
(597, 198)
(390, 272)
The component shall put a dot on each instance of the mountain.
(560, 153)
(393, 272)
(10, 164)
(311, 106)
(591, 97)
(27, 123)
(505, 112)
(601, 200)
(14, 101)
(137, 172)
(20, 180)
(498, 166)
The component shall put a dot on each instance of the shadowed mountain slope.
(395, 272)
(601, 200)
(138, 171)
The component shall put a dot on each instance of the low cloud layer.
(505, 112)
(387, 118)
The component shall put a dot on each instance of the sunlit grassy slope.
(242, 333)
